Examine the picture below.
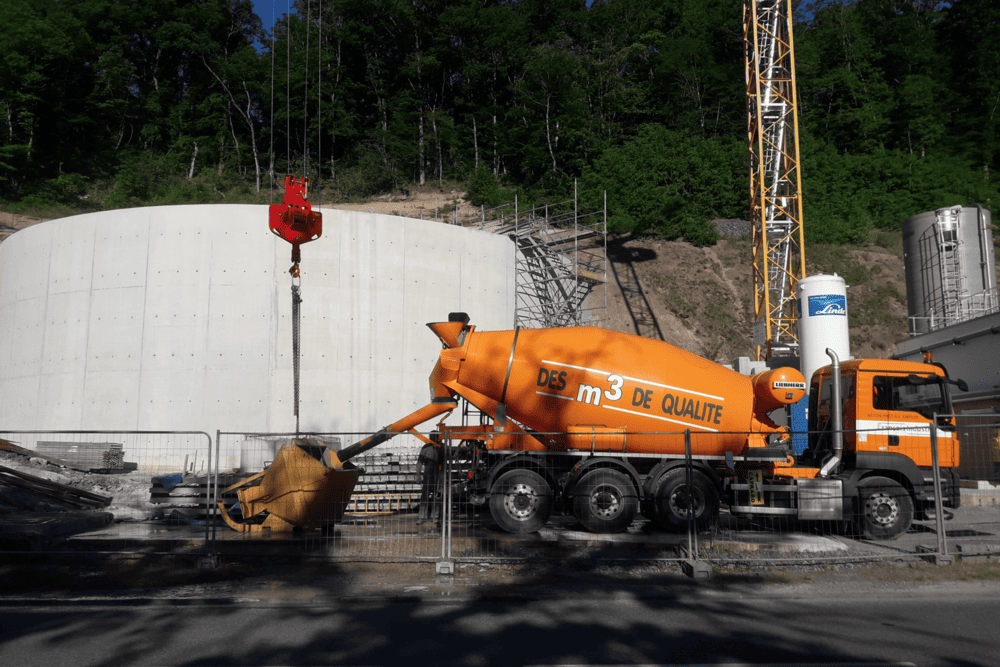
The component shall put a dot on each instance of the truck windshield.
(902, 394)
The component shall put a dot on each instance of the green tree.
(670, 184)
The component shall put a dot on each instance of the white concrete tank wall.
(179, 318)
(823, 322)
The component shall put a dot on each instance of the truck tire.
(605, 501)
(671, 497)
(520, 501)
(885, 509)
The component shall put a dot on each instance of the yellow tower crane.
(775, 176)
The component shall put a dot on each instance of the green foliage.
(848, 195)
(643, 98)
(669, 184)
(485, 190)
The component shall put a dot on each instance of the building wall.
(969, 350)
(179, 318)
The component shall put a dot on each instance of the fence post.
(942, 542)
(209, 505)
(692, 566)
(445, 565)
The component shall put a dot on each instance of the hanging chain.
(296, 300)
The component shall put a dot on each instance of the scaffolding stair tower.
(561, 261)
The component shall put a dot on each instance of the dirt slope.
(701, 299)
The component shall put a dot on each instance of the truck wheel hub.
(882, 508)
(681, 503)
(520, 501)
(606, 501)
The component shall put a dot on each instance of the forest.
(118, 103)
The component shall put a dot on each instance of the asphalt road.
(951, 625)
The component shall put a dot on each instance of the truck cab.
(888, 408)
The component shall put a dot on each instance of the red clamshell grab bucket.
(293, 219)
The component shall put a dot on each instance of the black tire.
(520, 501)
(885, 509)
(672, 504)
(605, 501)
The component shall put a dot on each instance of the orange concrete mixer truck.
(598, 423)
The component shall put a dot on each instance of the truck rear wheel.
(885, 509)
(605, 501)
(520, 501)
(675, 504)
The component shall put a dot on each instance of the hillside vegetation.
(119, 103)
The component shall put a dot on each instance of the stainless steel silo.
(950, 267)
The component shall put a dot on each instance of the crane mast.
(775, 177)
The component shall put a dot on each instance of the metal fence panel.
(421, 497)
(157, 486)
(979, 439)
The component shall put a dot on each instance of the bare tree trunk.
(253, 138)
(420, 149)
(193, 157)
(548, 132)
(232, 130)
(437, 139)
(475, 141)
(247, 115)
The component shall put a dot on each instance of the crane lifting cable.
(295, 221)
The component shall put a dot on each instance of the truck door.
(824, 415)
(901, 413)
(849, 416)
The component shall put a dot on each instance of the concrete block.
(981, 497)
(978, 484)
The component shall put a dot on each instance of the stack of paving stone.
(186, 494)
(391, 483)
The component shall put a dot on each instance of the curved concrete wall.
(179, 318)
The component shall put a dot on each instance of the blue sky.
(264, 10)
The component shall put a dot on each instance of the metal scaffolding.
(561, 261)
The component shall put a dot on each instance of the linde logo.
(827, 304)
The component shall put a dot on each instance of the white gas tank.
(823, 323)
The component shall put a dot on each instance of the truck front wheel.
(885, 509)
(676, 502)
(605, 501)
(520, 501)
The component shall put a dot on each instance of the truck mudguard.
(895, 462)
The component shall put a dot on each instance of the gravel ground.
(284, 579)
(733, 227)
